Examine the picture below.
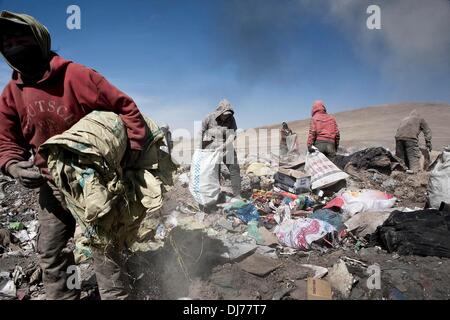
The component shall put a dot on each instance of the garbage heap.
(364, 200)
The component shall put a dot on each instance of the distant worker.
(323, 131)
(219, 131)
(288, 140)
(407, 140)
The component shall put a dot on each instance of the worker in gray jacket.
(219, 131)
(407, 140)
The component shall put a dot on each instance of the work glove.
(27, 174)
(311, 149)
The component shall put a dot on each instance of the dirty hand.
(23, 172)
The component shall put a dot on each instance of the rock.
(5, 237)
(223, 279)
(319, 272)
(236, 251)
(340, 279)
(267, 251)
(259, 265)
(389, 183)
(377, 177)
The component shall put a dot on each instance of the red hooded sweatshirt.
(31, 114)
(323, 126)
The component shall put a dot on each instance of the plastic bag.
(247, 213)
(439, 184)
(300, 233)
(291, 142)
(252, 230)
(352, 202)
(323, 172)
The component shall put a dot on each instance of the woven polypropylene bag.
(204, 184)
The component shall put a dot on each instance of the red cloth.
(337, 202)
(31, 114)
(323, 127)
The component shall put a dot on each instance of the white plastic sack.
(323, 172)
(204, 184)
(291, 142)
(439, 183)
(300, 233)
(352, 202)
(367, 200)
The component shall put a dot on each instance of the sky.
(270, 59)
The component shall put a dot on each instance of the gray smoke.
(259, 36)
(253, 36)
(414, 34)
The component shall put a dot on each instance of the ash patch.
(187, 256)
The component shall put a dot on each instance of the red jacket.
(31, 114)
(323, 126)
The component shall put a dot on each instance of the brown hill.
(376, 126)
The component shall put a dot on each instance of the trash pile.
(20, 276)
(378, 169)
(306, 229)
(314, 207)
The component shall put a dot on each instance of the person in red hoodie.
(46, 96)
(323, 131)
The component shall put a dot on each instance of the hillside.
(376, 125)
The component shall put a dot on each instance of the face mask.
(27, 59)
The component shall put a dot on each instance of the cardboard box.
(293, 181)
(318, 289)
